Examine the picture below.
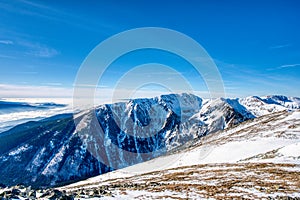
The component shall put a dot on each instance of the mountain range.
(67, 148)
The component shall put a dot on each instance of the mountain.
(258, 159)
(260, 106)
(66, 148)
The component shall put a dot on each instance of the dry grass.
(220, 181)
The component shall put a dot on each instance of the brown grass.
(210, 180)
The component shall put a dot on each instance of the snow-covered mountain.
(259, 159)
(259, 106)
(64, 149)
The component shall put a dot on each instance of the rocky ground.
(216, 181)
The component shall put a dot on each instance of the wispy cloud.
(89, 86)
(43, 11)
(280, 46)
(7, 56)
(29, 72)
(53, 84)
(247, 81)
(43, 52)
(38, 50)
(36, 5)
(7, 42)
(30, 8)
(288, 66)
(30, 47)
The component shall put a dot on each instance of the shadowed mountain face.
(63, 148)
(49, 153)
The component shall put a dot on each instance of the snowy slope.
(260, 106)
(259, 158)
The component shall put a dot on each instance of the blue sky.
(255, 44)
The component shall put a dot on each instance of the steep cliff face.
(140, 129)
(64, 148)
(46, 154)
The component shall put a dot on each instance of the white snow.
(292, 150)
(37, 160)
(258, 107)
(294, 115)
(54, 162)
(19, 150)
